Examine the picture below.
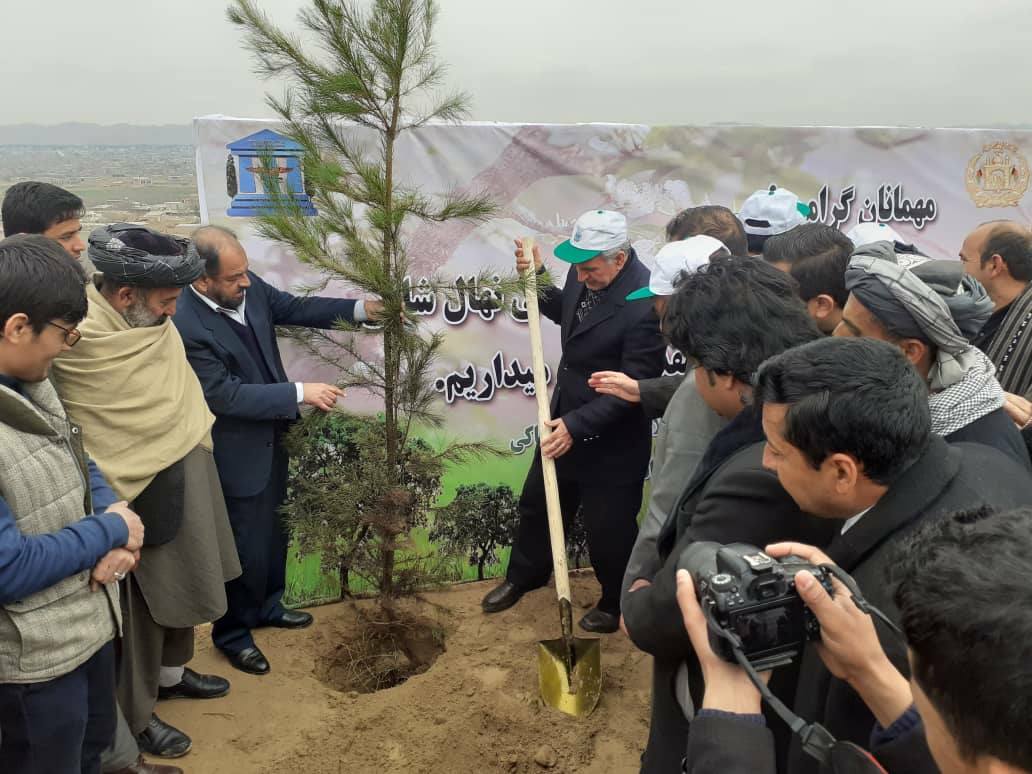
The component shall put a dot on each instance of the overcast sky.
(924, 62)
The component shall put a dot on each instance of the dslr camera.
(750, 601)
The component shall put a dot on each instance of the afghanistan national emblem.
(998, 176)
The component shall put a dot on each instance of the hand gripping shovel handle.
(555, 518)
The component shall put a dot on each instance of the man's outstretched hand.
(322, 396)
(617, 384)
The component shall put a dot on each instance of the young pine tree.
(360, 76)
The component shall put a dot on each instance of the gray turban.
(138, 256)
(910, 308)
(969, 304)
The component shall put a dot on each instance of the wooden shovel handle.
(555, 516)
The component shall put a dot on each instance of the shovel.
(569, 668)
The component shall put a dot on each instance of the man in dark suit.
(727, 318)
(601, 444)
(878, 499)
(227, 321)
(965, 708)
(849, 435)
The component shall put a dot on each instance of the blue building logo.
(245, 168)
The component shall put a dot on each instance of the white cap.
(865, 233)
(772, 211)
(593, 233)
(676, 258)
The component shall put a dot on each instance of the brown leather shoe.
(144, 767)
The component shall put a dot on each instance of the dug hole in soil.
(467, 700)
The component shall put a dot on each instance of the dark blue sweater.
(31, 563)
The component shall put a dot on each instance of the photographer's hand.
(728, 687)
(849, 645)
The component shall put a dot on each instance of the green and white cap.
(593, 233)
(771, 211)
(675, 259)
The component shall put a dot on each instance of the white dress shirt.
(853, 520)
(237, 315)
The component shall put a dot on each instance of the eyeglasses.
(71, 335)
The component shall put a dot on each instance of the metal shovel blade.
(573, 689)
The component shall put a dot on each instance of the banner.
(932, 185)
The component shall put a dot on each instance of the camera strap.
(817, 741)
(858, 598)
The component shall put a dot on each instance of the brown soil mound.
(475, 710)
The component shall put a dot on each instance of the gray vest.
(45, 482)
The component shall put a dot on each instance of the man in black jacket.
(816, 256)
(601, 444)
(965, 709)
(727, 319)
(228, 320)
(848, 434)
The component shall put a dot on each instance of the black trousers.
(60, 726)
(254, 599)
(610, 518)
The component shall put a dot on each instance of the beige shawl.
(134, 394)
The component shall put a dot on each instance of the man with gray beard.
(129, 386)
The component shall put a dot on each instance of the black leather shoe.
(195, 686)
(250, 660)
(162, 740)
(502, 597)
(292, 619)
(599, 621)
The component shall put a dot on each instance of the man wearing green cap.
(601, 444)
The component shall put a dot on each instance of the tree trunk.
(387, 566)
(391, 350)
(343, 571)
(480, 566)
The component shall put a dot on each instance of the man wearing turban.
(931, 311)
(130, 387)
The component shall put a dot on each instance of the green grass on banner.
(306, 583)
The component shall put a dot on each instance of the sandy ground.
(475, 710)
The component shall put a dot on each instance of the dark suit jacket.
(995, 429)
(612, 438)
(732, 498)
(946, 478)
(247, 410)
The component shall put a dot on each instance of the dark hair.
(711, 220)
(40, 280)
(817, 256)
(32, 208)
(963, 598)
(208, 241)
(1012, 242)
(734, 313)
(860, 397)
